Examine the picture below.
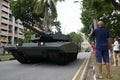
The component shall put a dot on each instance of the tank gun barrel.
(29, 26)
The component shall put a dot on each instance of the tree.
(48, 7)
(76, 38)
(38, 12)
(57, 25)
(27, 35)
(116, 4)
(100, 10)
(23, 9)
(87, 16)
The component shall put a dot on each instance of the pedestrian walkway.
(92, 71)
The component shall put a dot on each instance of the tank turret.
(42, 36)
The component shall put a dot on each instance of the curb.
(94, 72)
(7, 59)
(80, 68)
(83, 75)
(81, 72)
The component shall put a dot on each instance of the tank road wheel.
(60, 59)
(73, 56)
(22, 58)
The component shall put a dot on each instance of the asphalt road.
(13, 70)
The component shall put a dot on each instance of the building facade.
(10, 28)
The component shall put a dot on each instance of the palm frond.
(39, 7)
(53, 9)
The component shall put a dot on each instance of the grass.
(115, 72)
(6, 56)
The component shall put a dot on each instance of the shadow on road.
(49, 63)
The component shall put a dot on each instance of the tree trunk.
(46, 17)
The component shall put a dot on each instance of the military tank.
(44, 45)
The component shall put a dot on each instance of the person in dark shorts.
(102, 36)
(116, 52)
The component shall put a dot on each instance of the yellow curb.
(83, 73)
(78, 71)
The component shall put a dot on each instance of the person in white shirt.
(116, 52)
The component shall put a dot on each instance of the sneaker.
(109, 77)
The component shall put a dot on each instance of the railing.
(20, 26)
(3, 38)
(10, 34)
(6, 3)
(5, 21)
(4, 27)
(21, 36)
(5, 9)
(4, 33)
(15, 35)
(10, 23)
(20, 31)
(5, 15)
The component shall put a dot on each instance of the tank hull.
(59, 52)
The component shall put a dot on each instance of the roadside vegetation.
(6, 56)
(115, 71)
(106, 10)
(76, 38)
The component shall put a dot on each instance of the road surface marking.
(84, 70)
(78, 71)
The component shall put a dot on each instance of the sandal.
(99, 77)
(109, 77)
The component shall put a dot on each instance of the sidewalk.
(115, 71)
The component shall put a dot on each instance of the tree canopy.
(41, 13)
(76, 38)
(116, 4)
(103, 10)
(23, 9)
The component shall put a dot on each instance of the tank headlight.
(41, 43)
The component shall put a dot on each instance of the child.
(116, 52)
